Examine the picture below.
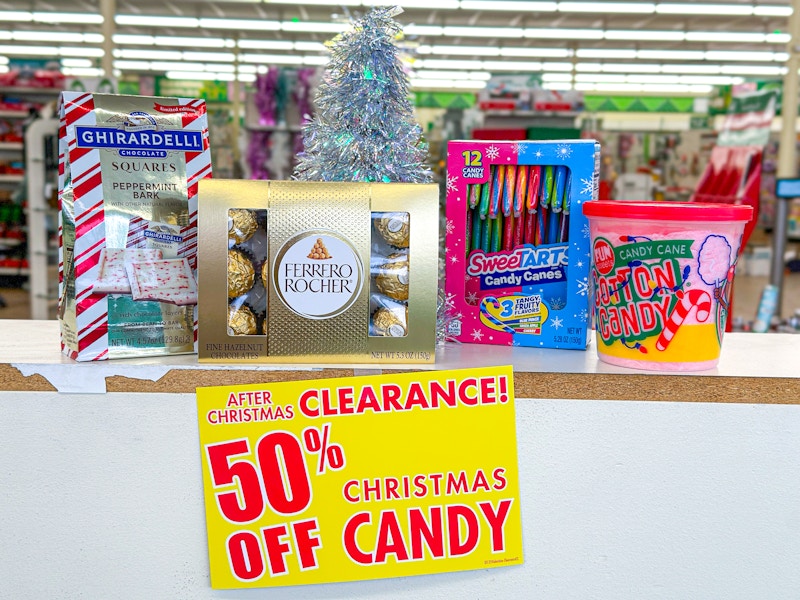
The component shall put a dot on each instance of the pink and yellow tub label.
(662, 299)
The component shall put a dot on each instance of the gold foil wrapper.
(241, 321)
(392, 279)
(242, 224)
(241, 274)
(395, 229)
(387, 322)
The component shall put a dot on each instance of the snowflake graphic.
(453, 259)
(467, 277)
(557, 323)
(450, 300)
(538, 154)
(563, 151)
(451, 183)
(585, 230)
(477, 335)
(583, 287)
(557, 303)
(588, 186)
(579, 264)
(584, 316)
(449, 226)
(492, 152)
(472, 298)
(520, 148)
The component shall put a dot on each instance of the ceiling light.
(265, 44)
(521, 7)
(556, 77)
(80, 51)
(132, 65)
(310, 46)
(466, 50)
(33, 50)
(537, 52)
(491, 32)
(200, 76)
(423, 30)
(752, 70)
(461, 65)
(148, 54)
(431, 4)
(710, 69)
(704, 9)
(662, 79)
(722, 36)
(135, 40)
(473, 75)
(670, 54)
(507, 65)
(194, 42)
(235, 24)
(56, 17)
(629, 68)
(778, 38)
(210, 56)
(82, 72)
(589, 67)
(603, 53)
(446, 84)
(739, 56)
(315, 61)
(772, 11)
(559, 33)
(607, 7)
(556, 66)
(268, 59)
(597, 77)
(15, 15)
(77, 63)
(313, 26)
(153, 21)
(318, 2)
(57, 36)
(711, 80)
(643, 35)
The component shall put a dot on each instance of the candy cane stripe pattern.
(490, 317)
(700, 300)
(116, 155)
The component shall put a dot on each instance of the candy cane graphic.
(490, 317)
(697, 299)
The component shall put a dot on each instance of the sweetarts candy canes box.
(517, 244)
(128, 173)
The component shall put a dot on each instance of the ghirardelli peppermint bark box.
(128, 173)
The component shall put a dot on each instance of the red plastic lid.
(667, 211)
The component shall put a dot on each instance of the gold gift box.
(340, 272)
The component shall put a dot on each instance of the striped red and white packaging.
(128, 173)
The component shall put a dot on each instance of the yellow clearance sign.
(360, 478)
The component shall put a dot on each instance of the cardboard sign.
(360, 478)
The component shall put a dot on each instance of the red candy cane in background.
(697, 299)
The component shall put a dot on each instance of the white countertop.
(33, 348)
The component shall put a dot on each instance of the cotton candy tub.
(662, 275)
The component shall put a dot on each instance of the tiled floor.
(747, 292)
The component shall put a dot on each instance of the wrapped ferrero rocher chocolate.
(390, 322)
(242, 224)
(241, 273)
(241, 321)
(394, 228)
(392, 278)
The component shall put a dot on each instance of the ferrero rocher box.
(313, 272)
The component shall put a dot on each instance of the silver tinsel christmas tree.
(364, 128)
